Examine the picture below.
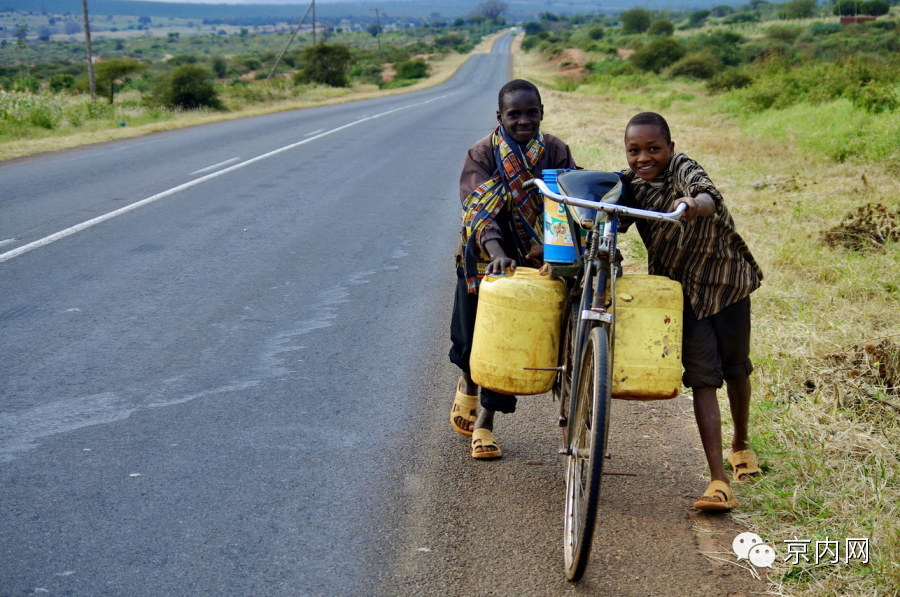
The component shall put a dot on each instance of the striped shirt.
(711, 260)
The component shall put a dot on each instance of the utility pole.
(314, 20)
(90, 52)
(291, 40)
(378, 28)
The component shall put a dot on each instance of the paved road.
(223, 370)
(201, 394)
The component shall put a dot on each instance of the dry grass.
(826, 413)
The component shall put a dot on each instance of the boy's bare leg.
(709, 422)
(739, 401)
(485, 419)
(468, 387)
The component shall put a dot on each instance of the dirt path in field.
(495, 528)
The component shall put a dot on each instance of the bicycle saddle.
(593, 185)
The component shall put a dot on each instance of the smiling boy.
(502, 227)
(717, 273)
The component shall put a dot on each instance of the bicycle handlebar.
(610, 208)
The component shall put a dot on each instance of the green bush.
(661, 27)
(846, 8)
(635, 20)
(596, 33)
(219, 67)
(875, 8)
(741, 17)
(727, 45)
(875, 97)
(411, 69)
(696, 65)
(658, 54)
(328, 64)
(61, 82)
(189, 87)
(819, 28)
(698, 17)
(798, 9)
(730, 78)
(26, 84)
(785, 33)
(367, 70)
(533, 28)
(529, 43)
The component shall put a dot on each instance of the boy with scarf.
(502, 227)
(717, 273)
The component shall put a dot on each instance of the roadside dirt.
(495, 528)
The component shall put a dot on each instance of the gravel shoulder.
(495, 528)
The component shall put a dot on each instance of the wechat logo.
(749, 546)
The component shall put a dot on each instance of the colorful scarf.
(504, 191)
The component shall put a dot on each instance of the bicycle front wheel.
(586, 447)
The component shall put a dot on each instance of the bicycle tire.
(588, 432)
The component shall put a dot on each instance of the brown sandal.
(465, 408)
(718, 496)
(745, 465)
(484, 446)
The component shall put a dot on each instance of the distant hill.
(519, 10)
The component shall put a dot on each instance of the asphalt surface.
(223, 371)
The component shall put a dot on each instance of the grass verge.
(826, 411)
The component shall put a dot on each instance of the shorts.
(716, 348)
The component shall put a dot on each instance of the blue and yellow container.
(558, 245)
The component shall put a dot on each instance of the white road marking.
(137, 204)
(309, 134)
(216, 166)
(7, 241)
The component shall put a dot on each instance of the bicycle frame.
(595, 272)
(588, 352)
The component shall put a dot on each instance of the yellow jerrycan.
(517, 325)
(647, 350)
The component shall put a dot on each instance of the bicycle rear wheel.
(586, 447)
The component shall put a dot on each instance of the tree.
(327, 64)
(111, 70)
(189, 87)
(220, 66)
(491, 9)
(635, 20)
(875, 8)
(698, 17)
(846, 8)
(799, 9)
(722, 10)
(658, 54)
(596, 33)
(533, 28)
(661, 27)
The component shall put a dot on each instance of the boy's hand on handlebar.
(700, 206)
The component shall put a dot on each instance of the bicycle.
(586, 348)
